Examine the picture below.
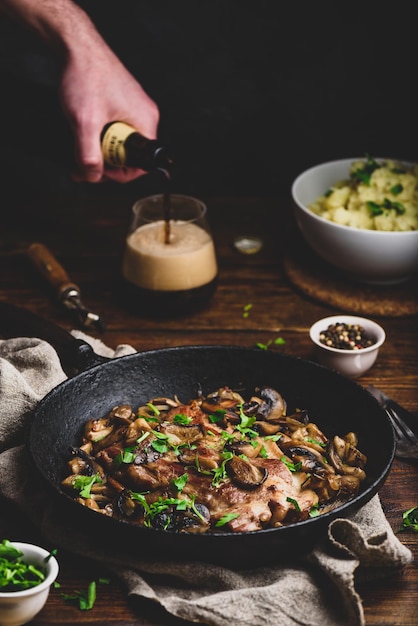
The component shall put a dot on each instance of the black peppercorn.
(345, 337)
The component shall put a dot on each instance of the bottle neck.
(124, 146)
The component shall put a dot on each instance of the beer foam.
(186, 262)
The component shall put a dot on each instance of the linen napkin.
(318, 589)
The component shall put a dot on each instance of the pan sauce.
(218, 463)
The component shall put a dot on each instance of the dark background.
(250, 93)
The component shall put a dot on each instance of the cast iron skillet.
(335, 403)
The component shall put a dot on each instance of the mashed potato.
(378, 196)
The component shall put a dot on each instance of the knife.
(67, 291)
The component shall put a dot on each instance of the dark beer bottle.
(124, 146)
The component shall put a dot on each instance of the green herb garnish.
(85, 600)
(219, 474)
(396, 189)
(386, 205)
(181, 418)
(217, 416)
(84, 484)
(15, 574)
(294, 502)
(314, 511)
(153, 408)
(279, 341)
(226, 518)
(293, 467)
(126, 456)
(363, 174)
(180, 482)
(160, 444)
(410, 519)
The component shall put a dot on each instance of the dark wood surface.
(87, 234)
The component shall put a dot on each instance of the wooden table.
(87, 234)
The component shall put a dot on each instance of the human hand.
(96, 89)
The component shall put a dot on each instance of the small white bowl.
(19, 607)
(350, 363)
(367, 256)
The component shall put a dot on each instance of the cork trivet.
(318, 280)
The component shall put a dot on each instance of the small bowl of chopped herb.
(27, 572)
(361, 217)
(347, 343)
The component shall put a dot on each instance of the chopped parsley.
(163, 504)
(126, 456)
(83, 484)
(410, 519)
(385, 206)
(226, 518)
(363, 174)
(396, 189)
(217, 416)
(181, 418)
(180, 482)
(160, 443)
(219, 473)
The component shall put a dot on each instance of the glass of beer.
(169, 265)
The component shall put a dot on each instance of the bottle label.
(113, 144)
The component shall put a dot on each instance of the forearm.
(62, 24)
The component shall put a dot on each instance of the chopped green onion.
(15, 574)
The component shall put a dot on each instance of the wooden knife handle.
(51, 269)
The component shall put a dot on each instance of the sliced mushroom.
(85, 463)
(136, 429)
(204, 458)
(223, 399)
(273, 405)
(266, 428)
(335, 448)
(246, 448)
(126, 506)
(163, 404)
(122, 413)
(349, 486)
(183, 433)
(195, 520)
(245, 474)
(115, 435)
(97, 429)
(354, 457)
(308, 460)
(190, 520)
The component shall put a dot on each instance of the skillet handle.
(75, 355)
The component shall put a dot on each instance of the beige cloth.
(316, 590)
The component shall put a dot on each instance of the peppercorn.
(345, 337)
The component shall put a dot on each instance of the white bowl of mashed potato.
(361, 216)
